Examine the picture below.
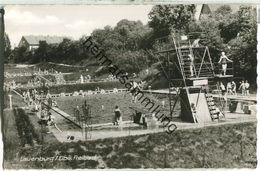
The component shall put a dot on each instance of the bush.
(25, 128)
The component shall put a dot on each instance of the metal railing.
(219, 70)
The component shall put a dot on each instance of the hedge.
(59, 67)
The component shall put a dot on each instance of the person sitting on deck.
(144, 120)
(115, 90)
(43, 119)
(154, 122)
(137, 117)
(54, 103)
(51, 119)
(51, 122)
(219, 113)
(223, 61)
(118, 115)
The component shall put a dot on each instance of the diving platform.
(223, 76)
(251, 98)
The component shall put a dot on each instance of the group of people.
(138, 118)
(46, 118)
(231, 88)
(223, 61)
(34, 82)
(33, 99)
(24, 73)
(21, 74)
(10, 85)
(244, 87)
(85, 79)
(46, 71)
(59, 78)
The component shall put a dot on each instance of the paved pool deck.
(132, 129)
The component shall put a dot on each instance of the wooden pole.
(2, 58)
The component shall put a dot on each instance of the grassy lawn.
(20, 79)
(226, 146)
(14, 69)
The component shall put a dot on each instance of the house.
(32, 42)
(205, 9)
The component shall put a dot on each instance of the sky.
(61, 20)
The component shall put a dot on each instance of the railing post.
(2, 57)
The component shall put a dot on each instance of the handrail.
(230, 68)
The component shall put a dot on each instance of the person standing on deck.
(81, 79)
(135, 85)
(229, 88)
(234, 88)
(223, 88)
(247, 85)
(191, 58)
(223, 61)
(118, 115)
(242, 87)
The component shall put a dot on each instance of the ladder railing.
(180, 60)
(214, 113)
(184, 50)
(220, 98)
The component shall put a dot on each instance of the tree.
(244, 46)
(21, 55)
(7, 48)
(164, 18)
(41, 52)
(224, 10)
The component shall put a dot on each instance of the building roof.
(209, 8)
(35, 40)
